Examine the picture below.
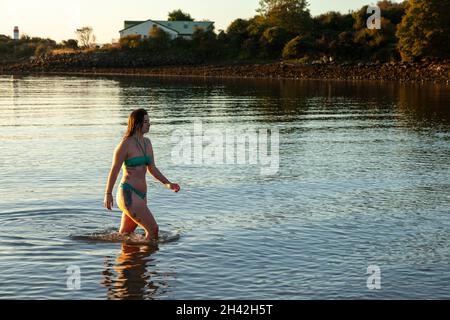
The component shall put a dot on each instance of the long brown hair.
(135, 122)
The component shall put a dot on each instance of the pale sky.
(58, 19)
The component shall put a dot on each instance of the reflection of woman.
(136, 154)
(132, 280)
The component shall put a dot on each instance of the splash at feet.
(130, 238)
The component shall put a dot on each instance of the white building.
(175, 29)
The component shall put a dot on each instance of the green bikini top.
(138, 161)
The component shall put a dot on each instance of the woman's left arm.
(153, 170)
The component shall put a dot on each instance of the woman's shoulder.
(124, 143)
(148, 141)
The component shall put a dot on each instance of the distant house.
(175, 29)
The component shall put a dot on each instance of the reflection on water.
(131, 275)
(363, 180)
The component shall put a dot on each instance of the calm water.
(363, 180)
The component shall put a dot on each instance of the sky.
(58, 19)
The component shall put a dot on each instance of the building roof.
(186, 27)
(131, 23)
(181, 27)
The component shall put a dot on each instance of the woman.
(135, 153)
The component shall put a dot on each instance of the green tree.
(392, 11)
(332, 23)
(250, 49)
(273, 41)
(238, 28)
(292, 15)
(205, 43)
(379, 44)
(178, 15)
(327, 30)
(237, 33)
(257, 25)
(424, 30)
(343, 46)
(297, 47)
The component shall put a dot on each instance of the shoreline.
(438, 73)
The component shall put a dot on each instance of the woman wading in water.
(135, 154)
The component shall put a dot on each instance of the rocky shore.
(105, 63)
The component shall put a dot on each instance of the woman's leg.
(127, 225)
(136, 210)
(146, 220)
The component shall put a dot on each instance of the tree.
(343, 46)
(369, 41)
(205, 42)
(86, 37)
(424, 30)
(292, 15)
(297, 47)
(237, 34)
(379, 44)
(238, 28)
(257, 25)
(333, 23)
(178, 15)
(327, 28)
(159, 38)
(71, 43)
(392, 10)
(273, 41)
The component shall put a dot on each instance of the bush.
(71, 44)
(130, 42)
(159, 38)
(41, 50)
(25, 50)
(5, 48)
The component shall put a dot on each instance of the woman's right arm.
(119, 157)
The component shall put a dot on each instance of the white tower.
(16, 33)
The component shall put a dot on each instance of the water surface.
(363, 180)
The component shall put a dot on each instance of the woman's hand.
(173, 186)
(108, 202)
